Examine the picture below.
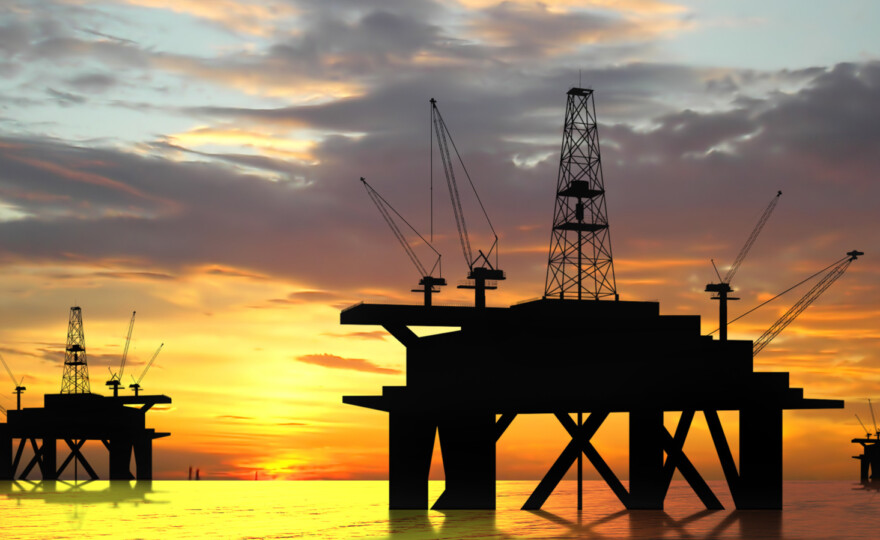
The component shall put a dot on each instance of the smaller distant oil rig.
(76, 415)
(869, 459)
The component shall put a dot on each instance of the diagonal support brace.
(580, 442)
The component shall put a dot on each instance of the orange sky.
(198, 164)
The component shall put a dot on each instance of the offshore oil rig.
(869, 459)
(76, 415)
(578, 353)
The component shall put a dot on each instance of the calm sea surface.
(343, 509)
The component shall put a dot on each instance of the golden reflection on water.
(350, 509)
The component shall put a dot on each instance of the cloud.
(178, 211)
(338, 362)
(65, 99)
(92, 83)
(249, 17)
(377, 334)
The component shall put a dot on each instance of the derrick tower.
(580, 265)
(76, 370)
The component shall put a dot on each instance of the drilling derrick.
(76, 369)
(580, 265)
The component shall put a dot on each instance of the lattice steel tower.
(580, 265)
(76, 370)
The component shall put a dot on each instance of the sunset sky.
(198, 162)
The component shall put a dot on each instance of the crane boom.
(11, 376)
(150, 363)
(805, 301)
(751, 239)
(443, 144)
(867, 433)
(873, 419)
(127, 342)
(383, 207)
(444, 139)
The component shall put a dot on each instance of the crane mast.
(820, 287)
(427, 281)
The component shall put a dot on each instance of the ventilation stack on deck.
(573, 352)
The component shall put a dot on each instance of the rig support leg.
(6, 471)
(410, 447)
(646, 478)
(120, 457)
(760, 458)
(143, 455)
(467, 442)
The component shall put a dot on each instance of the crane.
(835, 270)
(480, 268)
(137, 385)
(722, 288)
(427, 281)
(873, 419)
(18, 384)
(116, 378)
(867, 431)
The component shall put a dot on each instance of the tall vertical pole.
(580, 210)
(580, 487)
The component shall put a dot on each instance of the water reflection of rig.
(76, 415)
(580, 354)
(869, 459)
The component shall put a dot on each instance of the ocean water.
(351, 509)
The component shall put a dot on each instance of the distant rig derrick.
(75, 416)
(579, 354)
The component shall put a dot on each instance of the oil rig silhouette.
(76, 415)
(580, 354)
(869, 459)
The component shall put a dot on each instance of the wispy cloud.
(338, 362)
